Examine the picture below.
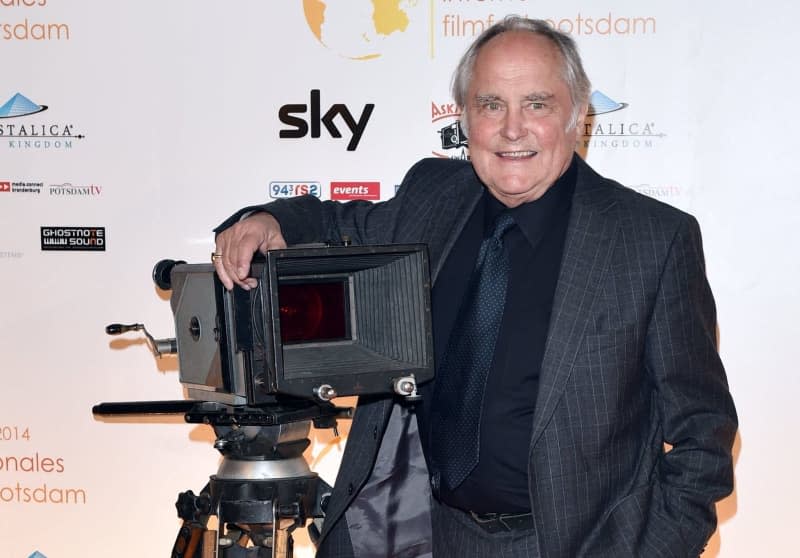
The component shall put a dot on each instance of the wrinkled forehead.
(519, 54)
(519, 59)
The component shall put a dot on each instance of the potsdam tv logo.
(613, 132)
(32, 133)
(86, 239)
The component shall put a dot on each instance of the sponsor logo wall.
(129, 130)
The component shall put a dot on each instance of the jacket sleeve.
(307, 219)
(696, 408)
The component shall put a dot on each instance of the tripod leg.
(194, 539)
(189, 541)
(281, 538)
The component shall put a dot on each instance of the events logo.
(602, 130)
(356, 190)
(361, 29)
(452, 142)
(299, 127)
(87, 239)
(27, 134)
(279, 189)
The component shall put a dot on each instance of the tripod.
(263, 489)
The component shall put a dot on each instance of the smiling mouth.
(516, 155)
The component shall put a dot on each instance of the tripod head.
(263, 489)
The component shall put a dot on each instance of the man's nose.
(513, 125)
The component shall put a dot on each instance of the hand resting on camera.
(236, 245)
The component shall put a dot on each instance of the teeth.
(517, 154)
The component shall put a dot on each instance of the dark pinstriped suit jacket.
(630, 363)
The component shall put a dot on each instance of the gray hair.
(573, 73)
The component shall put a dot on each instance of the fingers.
(236, 245)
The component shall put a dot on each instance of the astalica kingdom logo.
(21, 128)
(20, 105)
(359, 29)
(602, 104)
(606, 128)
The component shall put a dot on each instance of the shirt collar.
(535, 217)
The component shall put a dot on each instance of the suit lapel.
(451, 214)
(589, 243)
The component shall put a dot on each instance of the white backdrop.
(162, 118)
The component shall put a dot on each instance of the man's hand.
(236, 246)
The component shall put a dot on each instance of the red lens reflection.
(312, 312)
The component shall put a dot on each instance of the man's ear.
(581, 119)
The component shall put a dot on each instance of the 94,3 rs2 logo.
(294, 188)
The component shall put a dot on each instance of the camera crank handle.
(159, 347)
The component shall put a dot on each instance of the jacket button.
(375, 433)
(350, 488)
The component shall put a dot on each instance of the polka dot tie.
(461, 379)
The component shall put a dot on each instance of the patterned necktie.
(458, 396)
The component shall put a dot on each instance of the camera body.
(323, 322)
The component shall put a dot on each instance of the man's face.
(518, 113)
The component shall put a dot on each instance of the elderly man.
(580, 407)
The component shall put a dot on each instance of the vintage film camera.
(323, 322)
(261, 365)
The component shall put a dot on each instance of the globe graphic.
(358, 29)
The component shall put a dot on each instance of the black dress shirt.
(499, 483)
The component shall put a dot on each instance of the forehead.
(518, 57)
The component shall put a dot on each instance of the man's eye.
(491, 106)
(536, 105)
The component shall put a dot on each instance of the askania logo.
(452, 143)
(28, 134)
(605, 129)
(5, 186)
(283, 189)
(356, 190)
(88, 239)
